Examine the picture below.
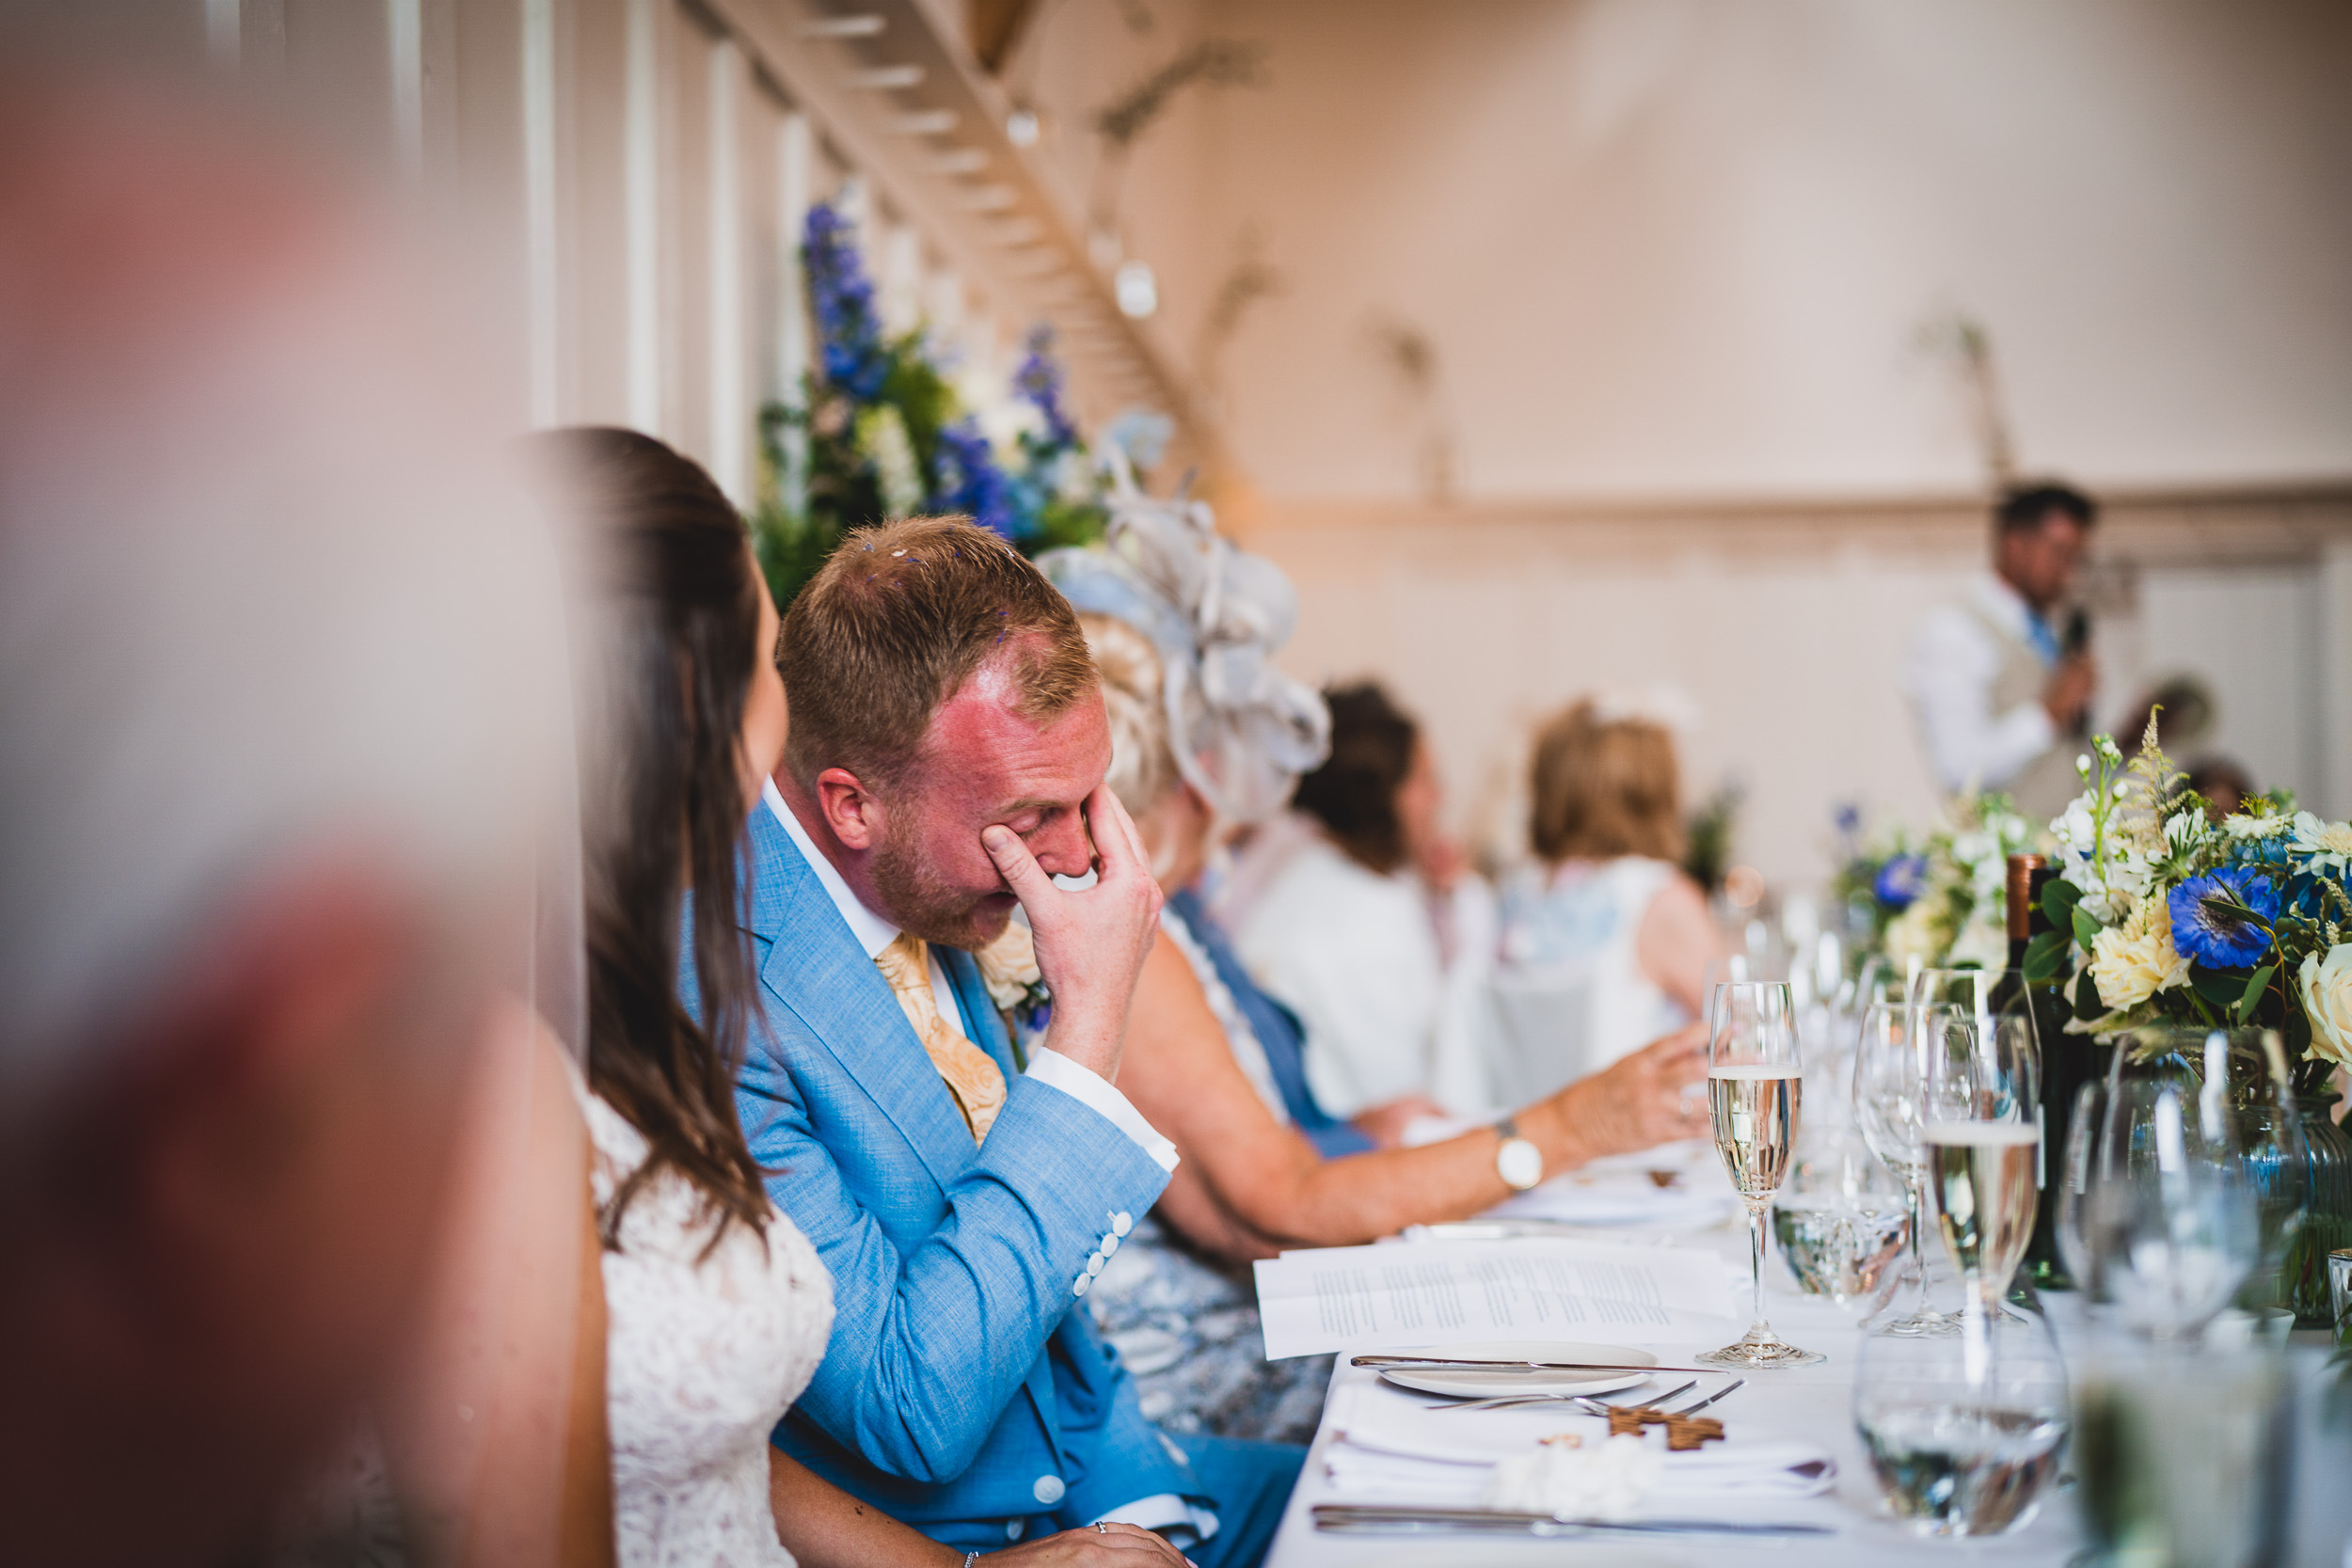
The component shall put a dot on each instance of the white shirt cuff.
(1092, 1090)
(1163, 1511)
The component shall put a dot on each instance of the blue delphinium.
(2222, 919)
(855, 358)
(1038, 379)
(968, 480)
(1900, 880)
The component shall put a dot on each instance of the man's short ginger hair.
(894, 624)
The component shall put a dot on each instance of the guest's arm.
(931, 1341)
(1250, 1184)
(1676, 941)
(823, 1526)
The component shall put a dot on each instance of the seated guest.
(946, 758)
(1201, 1060)
(1367, 925)
(273, 659)
(717, 1306)
(1608, 899)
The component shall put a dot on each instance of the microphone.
(2076, 641)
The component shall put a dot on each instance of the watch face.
(1519, 1164)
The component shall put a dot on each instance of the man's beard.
(925, 906)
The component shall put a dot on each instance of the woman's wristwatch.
(1519, 1163)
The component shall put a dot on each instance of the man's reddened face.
(983, 765)
(2041, 562)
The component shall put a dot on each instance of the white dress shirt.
(1949, 676)
(1048, 1067)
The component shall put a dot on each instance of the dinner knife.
(1404, 1519)
(1496, 1366)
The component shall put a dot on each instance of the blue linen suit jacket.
(959, 1389)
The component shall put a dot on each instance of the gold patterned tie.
(971, 1075)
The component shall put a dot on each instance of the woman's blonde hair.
(1143, 764)
(1604, 788)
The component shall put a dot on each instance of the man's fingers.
(1116, 842)
(1019, 868)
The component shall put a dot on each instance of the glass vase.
(2327, 1184)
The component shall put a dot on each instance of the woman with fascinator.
(1208, 736)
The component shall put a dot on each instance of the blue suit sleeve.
(937, 1322)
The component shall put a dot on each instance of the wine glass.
(1982, 1143)
(1754, 1082)
(2169, 1222)
(2077, 1169)
(1889, 1077)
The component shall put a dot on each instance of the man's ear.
(853, 812)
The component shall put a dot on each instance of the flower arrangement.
(884, 434)
(1936, 897)
(2169, 916)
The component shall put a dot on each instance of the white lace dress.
(704, 1356)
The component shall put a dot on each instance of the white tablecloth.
(1815, 1403)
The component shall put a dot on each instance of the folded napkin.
(1389, 1442)
(1618, 1203)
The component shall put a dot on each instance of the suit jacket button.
(1110, 1245)
(1094, 1264)
(1078, 1285)
(1121, 1223)
(1047, 1491)
(1014, 1529)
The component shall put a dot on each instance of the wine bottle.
(2065, 1060)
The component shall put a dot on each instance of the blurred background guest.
(2000, 692)
(274, 875)
(1209, 1059)
(2224, 785)
(1359, 916)
(1605, 910)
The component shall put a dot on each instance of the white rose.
(2131, 962)
(2327, 986)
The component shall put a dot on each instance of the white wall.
(1684, 246)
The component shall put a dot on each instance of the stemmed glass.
(1754, 1082)
(1983, 1141)
(2167, 1219)
(1889, 1077)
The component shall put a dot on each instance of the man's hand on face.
(1090, 945)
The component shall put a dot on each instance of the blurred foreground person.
(281, 700)
(1607, 905)
(718, 1305)
(1207, 736)
(2001, 693)
(1356, 913)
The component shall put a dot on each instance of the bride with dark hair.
(718, 1307)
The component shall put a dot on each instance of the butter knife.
(1402, 1519)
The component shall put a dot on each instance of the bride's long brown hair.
(672, 606)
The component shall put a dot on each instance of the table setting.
(1569, 1373)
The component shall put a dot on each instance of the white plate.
(1470, 1384)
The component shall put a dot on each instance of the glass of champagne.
(1754, 1083)
(1889, 1078)
(1983, 1141)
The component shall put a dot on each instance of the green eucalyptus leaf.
(2058, 899)
(2255, 985)
(2088, 1007)
(2221, 988)
(2045, 958)
(2086, 930)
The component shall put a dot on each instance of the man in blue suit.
(946, 759)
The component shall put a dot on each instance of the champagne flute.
(1889, 1075)
(1983, 1142)
(1753, 1085)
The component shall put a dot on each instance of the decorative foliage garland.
(884, 434)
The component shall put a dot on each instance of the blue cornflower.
(848, 328)
(1038, 380)
(2213, 917)
(1899, 881)
(969, 481)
